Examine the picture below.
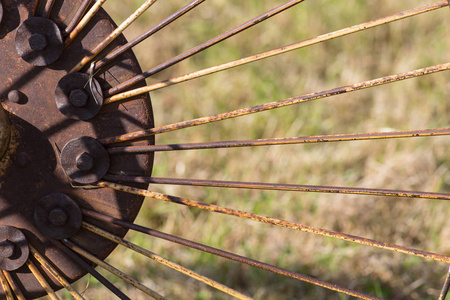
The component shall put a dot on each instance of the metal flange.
(39, 41)
(79, 96)
(13, 248)
(85, 160)
(57, 216)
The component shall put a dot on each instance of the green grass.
(415, 164)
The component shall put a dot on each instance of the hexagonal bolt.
(78, 98)
(58, 217)
(85, 162)
(7, 249)
(37, 42)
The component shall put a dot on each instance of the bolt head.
(58, 217)
(23, 160)
(78, 98)
(85, 162)
(37, 42)
(14, 96)
(7, 249)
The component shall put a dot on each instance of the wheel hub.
(34, 130)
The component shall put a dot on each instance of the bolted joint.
(38, 42)
(58, 217)
(7, 249)
(78, 98)
(85, 161)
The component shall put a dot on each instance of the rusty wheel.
(77, 146)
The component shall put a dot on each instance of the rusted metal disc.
(5, 132)
(14, 249)
(85, 160)
(39, 41)
(57, 216)
(31, 168)
(78, 96)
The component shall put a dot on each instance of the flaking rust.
(30, 168)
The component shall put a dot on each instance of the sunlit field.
(418, 164)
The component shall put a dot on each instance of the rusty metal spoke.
(6, 288)
(14, 287)
(41, 280)
(201, 47)
(225, 254)
(281, 141)
(277, 104)
(277, 51)
(150, 32)
(51, 270)
(164, 261)
(35, 7)
(110, 38)
(445, 287)
(84, 21)
(48, 8)
(113, 270)
(76, 18)
(276, 186)
(276, 222)
(74, 257)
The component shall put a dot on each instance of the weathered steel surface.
(78, 96)
(14, 249)
(5, 131)
(39, 41)
(85, 160)
(57, 216)
(30, 169)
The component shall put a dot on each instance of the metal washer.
(20, 252)
(45, 28)
(43, 213)
(79, 146)
(79, 81)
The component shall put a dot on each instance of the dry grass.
(416, 164)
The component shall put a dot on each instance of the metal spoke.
(76, 18)
(146, 35)
(225, 254)
(113, 270)
(50, 269)
(163, 261)
(277, 51)
(277, 222)
(35, 7)
(75, 258)
(15, 288)
(48, 8)
(41, 280)
(281, 141)
(276, 186)
(445, 287)
(110, 38)
(277, 104)
(201, 47)
(6, 288)
(84, 21)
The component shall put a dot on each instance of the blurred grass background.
(420, 164)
